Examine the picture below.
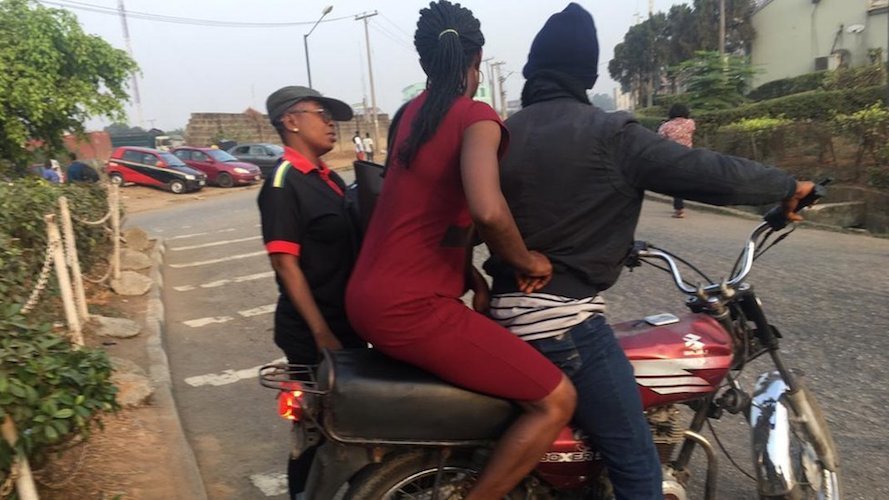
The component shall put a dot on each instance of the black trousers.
(678, 204)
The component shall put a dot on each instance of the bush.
(870, 127)
(789, 86)
(764, 135)
(23, 203)
(52, 392)
(855, 78)
(667, 100)
(650, 122)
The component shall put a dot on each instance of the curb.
(159, 372)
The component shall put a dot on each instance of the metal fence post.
(55, 239)
(73, 261)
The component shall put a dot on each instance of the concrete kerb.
(159, 372)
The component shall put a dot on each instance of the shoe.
(679, 214)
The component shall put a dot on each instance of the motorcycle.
(391, 431)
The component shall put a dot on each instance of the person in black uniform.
(311, 240)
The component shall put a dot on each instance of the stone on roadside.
(131, 283)
(134, 260)
(120, 328)
(132, 389)
(136, 239)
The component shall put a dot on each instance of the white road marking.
(215, 243)
(195, 323)
(257, 311)
(216, 261)
(183, 236)
(228, 376)
(227, 230)
(271, 484)
(218, 283)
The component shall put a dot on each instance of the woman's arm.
(480, 172)
(300, 295)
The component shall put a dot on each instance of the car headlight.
(189, 177)
(241, 170)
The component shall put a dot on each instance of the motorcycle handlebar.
(776, 218)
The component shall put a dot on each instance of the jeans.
(678, 204)
(609, 407)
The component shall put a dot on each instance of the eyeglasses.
(325, 115)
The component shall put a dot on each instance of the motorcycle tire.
(412, 475)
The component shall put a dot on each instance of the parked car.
(150, 167)
(264, 155)
(222, 169)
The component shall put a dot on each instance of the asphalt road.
(827, 292)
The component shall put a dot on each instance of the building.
(623, 101)
(795, 37)
(483, 93)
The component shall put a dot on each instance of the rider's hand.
(803, 188)
(325, 339)
(536, 274)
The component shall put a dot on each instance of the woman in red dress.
(404, 295)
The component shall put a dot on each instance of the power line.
(395, 25)
(399, 42)
(146, 16)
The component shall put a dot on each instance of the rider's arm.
(287, 268)
(648, 161)
(480, 173)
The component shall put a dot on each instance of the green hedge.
(650, 122)
(813, 105)
(789, 86)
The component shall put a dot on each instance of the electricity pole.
(370, 73)
(490, 76)
(126, 36)
(500, 80)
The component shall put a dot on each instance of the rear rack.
(279, 376)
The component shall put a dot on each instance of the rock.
(122, 366)
(132, 389)
(131, 283)
(131, 259)
(136, 239)
(121, 328)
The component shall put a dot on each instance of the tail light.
(289, 407)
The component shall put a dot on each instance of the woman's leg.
(522, 445)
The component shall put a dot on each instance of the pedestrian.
(575, 178)
(309, 236)
(359, 146)
(48, 173)
(368, 144)
(679, 128)
(404, 296)
(80, 172)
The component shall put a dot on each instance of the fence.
(61, 256)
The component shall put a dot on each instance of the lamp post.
(306, 40)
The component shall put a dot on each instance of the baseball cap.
(282, 99)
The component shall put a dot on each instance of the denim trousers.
(609, 407)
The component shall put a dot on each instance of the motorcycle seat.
(373, 398)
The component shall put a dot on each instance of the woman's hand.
(325, 339)
(481, 298)
(536, 273)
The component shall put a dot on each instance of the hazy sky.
(188, 69)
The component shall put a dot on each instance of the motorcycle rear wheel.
(412, 476)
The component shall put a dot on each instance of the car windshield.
(278, 150)
(172, 160)
(220, 155)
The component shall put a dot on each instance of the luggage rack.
(280, 376)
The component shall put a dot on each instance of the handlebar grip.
(775, 217)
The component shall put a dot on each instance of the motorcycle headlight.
(241, 170)
(189, 177)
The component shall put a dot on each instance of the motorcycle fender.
(770, 423)
(333, 467)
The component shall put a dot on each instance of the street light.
(306, 40)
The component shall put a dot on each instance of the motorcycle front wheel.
(412, 475)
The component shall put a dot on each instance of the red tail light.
(289, 401)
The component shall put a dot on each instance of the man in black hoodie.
(574, 177)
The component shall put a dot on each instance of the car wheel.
(177, 187)
(116, 179)
(225, 180)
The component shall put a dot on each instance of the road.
(827, 292)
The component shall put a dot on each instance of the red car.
(151, 167)
(221, 168)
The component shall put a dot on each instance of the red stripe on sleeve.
(279, 246)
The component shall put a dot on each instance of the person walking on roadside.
(368, 144)
(681, 129)
(359, 146)
(415, 264)
(575, 179)
(310, 238)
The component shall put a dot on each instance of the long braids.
(448, 36)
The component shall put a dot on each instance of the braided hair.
(447, 39)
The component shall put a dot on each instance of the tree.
(603, 101)
(54, 77)
(739, 31)
(639, 58)
(712, 82)
(123, 129)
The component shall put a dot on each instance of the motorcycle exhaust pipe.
(712, 466)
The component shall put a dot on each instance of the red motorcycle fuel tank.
(678, 361)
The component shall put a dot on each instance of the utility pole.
(500, 80)
(126, 36)
(489, 74)
(370, 73)
(722, 28)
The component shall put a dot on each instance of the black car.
(263, 155)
